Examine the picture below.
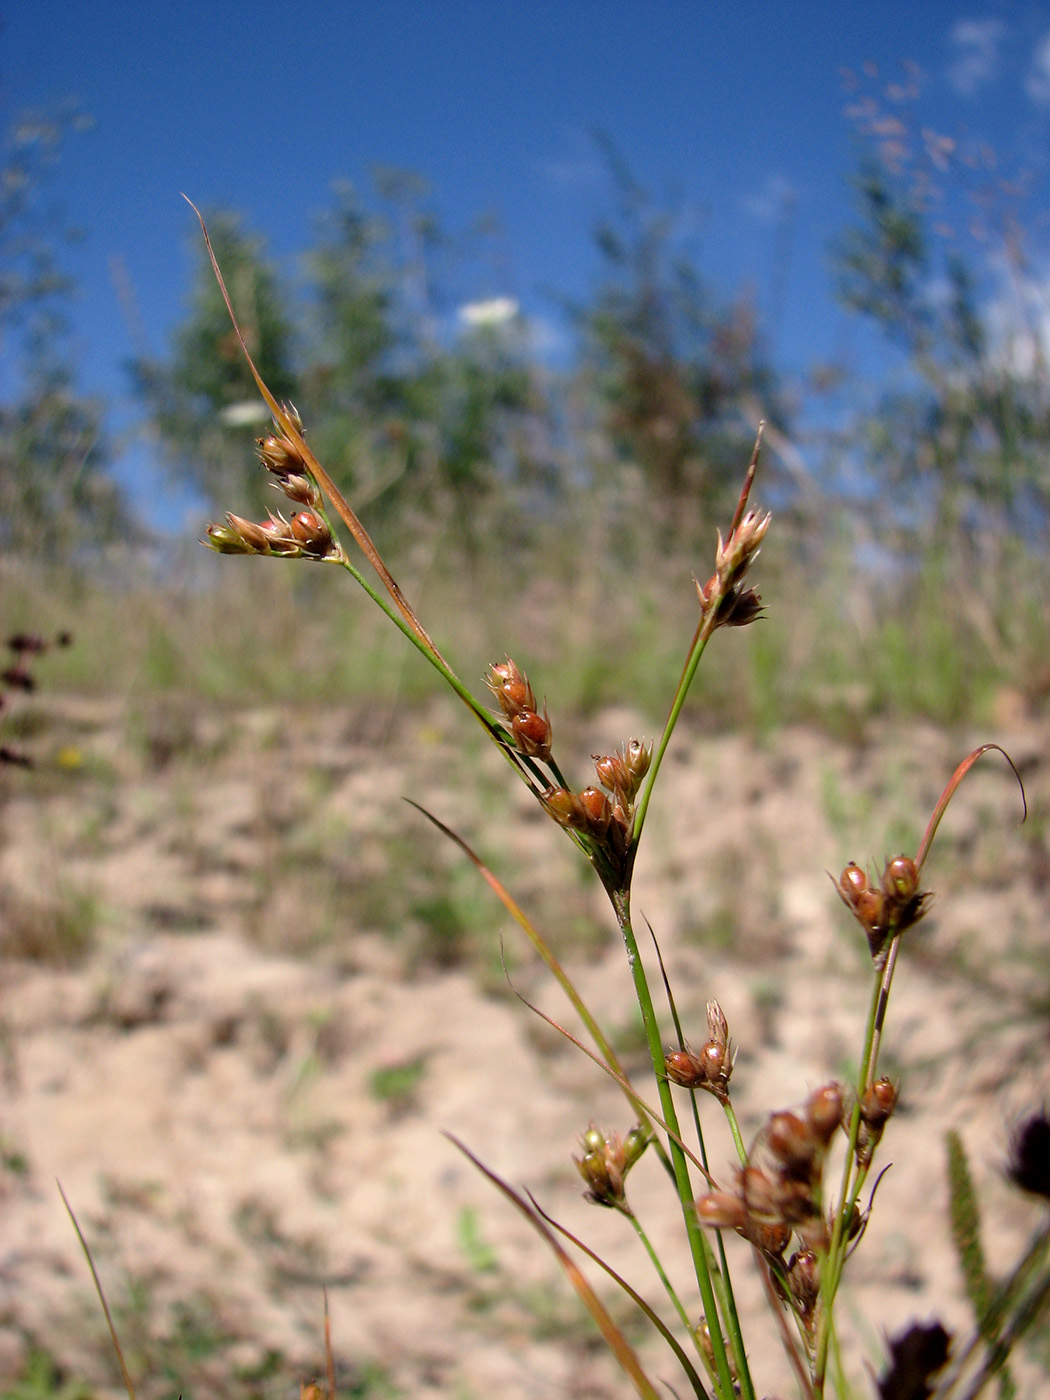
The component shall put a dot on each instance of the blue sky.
(732, 106)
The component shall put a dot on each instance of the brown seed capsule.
(515, 697)
(900, 879)
(566, 808)
(511, 688)
(280, 455)
(793, 1143)
(905, 902)
(762, 1195)
(721, 1211)
(879, 1101)
(533, 734)
(253, 535)
(824, 1111)
(597, 806)
(684, 1068)
(741, 607)
(311, 533)
(852, 883)
(593, 1169)
(603, 1167)
(611, 771)
(301, 490)
(803, 1274)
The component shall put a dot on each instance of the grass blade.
(129, 1384)
(613, 1337)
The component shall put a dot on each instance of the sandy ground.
(245, 989)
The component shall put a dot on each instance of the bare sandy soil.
(245, 988)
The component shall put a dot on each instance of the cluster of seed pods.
(606, 812)
(710, 1067)
(889, 906)
(603, 812)
(778, 1195)
(531, 730)
(606, 1160)
(305, 535)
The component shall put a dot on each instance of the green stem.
(676, 1302)
(721, 1276)
(697, 1243)
(696, 651)
(734, 1128)
(853, 1176)
(525, 767)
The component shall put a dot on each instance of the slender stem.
(842, 1387)
(676, 1302)
(697, 1243)
(721, 1276)
(696, 651)
(853, 1176)
(526, 768)
(734, 1128)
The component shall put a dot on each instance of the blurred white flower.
(244, 414)
(494, 311)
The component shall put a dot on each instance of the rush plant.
(800, 1194)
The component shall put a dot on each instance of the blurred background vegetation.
(556, 507)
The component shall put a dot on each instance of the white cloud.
(1037, 83)
(769, 202)
(975, 46)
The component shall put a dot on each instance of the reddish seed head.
(596, 805)
(684, 1068)
(824, 1111)
(804, 1279)
(305, 525)
(791, 1141)
(721, 1211)
(762, 1196)
(610, 770)
(564, 806)
(879, 1102)
(900, 879)
(870, 909)
(533, 734)
(253, 535)
(279, 455)
(852, 883)
(511, 688)
(515, 696)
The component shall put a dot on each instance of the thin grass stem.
(697, 1243)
